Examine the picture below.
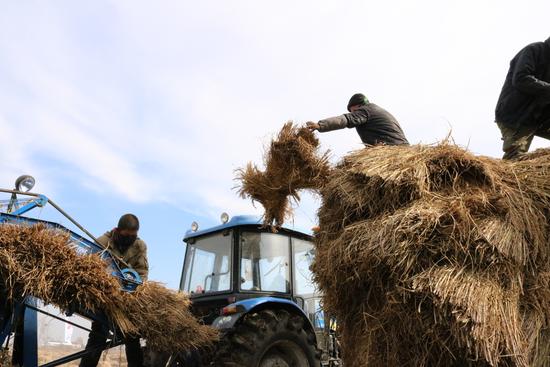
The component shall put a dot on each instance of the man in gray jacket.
(374, 124)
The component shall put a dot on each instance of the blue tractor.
(256, 287)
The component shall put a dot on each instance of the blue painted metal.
(249, 305)
(30, 332)
(131, 275)
(252, 303)
(40, 201)
(236, 221)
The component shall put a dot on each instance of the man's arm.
(523, 77)
(352, 119)
(332, 123)
(138, 261)
(103, 240)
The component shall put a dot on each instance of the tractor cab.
(241, 259)
(240, 272)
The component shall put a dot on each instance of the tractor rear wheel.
(269, 338)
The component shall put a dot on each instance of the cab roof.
(240, 221)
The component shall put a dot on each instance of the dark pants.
(18, 340)
(97, 338)
(517, 141)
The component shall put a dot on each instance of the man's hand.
(312, 125)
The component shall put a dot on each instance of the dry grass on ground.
(114, 357)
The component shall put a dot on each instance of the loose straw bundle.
(292, 163)
(38, 261)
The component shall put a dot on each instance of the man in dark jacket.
(124, 243)
(523, 108)
(374, 124)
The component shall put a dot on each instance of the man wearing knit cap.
(374, 124)
(523, 108)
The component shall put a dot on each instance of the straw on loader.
(45, 263)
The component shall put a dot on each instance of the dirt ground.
(114, 357)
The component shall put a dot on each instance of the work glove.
(312, 125)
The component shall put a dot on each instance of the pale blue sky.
(148, 107)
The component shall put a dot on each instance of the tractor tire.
(193, 358)
(269, 338)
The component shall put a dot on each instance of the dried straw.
(292, 163)
(5, 357)
(38, 261)
(432, 256)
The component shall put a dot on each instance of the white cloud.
(15, 161)
(165, 100)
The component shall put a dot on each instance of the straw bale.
(483, 312)
(433, 256)
(459, 239)
(395, 219)
(537, 154)
(41, 262)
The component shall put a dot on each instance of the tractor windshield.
(265, 259)
(207, 265)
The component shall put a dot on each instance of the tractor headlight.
(224, 218)
(24, 183)
(194, 226)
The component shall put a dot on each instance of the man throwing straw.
(375, 125)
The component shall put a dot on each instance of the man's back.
(381, 127)
(526, 87)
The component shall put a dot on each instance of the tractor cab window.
(265, 259)
(303, 253)
(208, 264)
(304, 287)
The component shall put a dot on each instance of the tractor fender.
(244, 307)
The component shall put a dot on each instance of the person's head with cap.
(356, 101)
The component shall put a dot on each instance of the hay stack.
(39, 261)
(431, 256)
(292, 163)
